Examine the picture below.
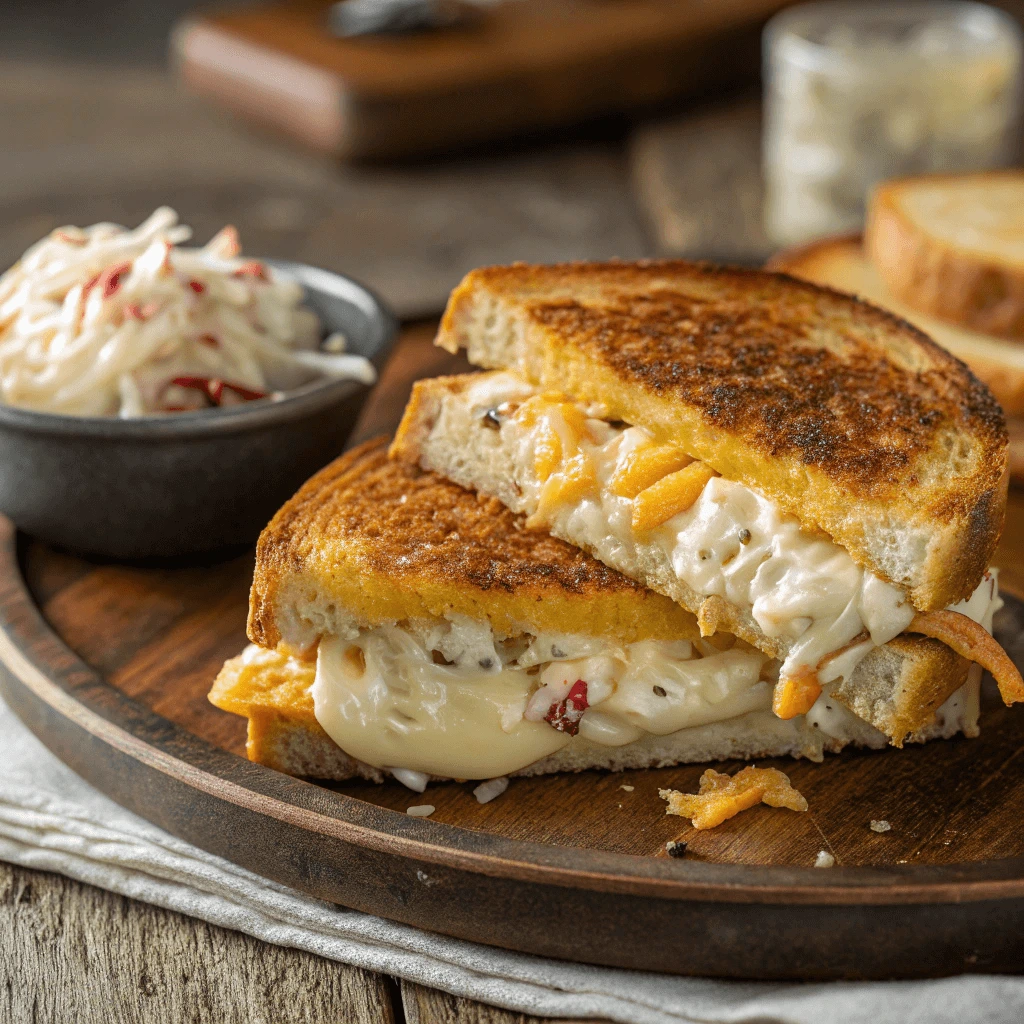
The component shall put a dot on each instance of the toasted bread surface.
(368, 540)
(844, 415)
(952, 246)
(841, 262)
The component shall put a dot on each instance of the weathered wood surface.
(73, 953)
(70, 952)
(84, 144)
(527, 66)
(697, 181)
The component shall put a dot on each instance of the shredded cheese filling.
(617, 491)
(453, 700)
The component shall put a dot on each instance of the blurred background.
(539, 130)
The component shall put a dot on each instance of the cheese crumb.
(721, 796)
(880, 826)
(824, 860)
(490, 789)
(420, 811)
(628, 789)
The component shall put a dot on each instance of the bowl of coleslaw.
(158, 400)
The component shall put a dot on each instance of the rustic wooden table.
(112, 141)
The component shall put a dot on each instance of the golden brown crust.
(840, 262)
(976, 290)
(388, 542)
(829, 405)
(925, 674)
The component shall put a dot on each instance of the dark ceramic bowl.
(185, 483)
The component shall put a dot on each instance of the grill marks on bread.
(409, 523)
(794, 378)
(369, 540)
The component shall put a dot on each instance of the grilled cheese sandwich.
(404, 627)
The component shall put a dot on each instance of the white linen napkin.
(52, 820)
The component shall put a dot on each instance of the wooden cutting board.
(522, 65)
(110, 666)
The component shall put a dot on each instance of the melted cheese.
(725, 540)
(395, 707)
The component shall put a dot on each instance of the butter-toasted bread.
(841, 262)
(952, 246)
(845, 416)
(368, 540)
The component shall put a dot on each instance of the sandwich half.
(402, 625)
(792, 465)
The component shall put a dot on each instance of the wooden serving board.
(519, 66)
(110, 666)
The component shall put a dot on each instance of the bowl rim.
(305, 400)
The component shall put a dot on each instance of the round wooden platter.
(110, 666)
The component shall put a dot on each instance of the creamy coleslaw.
(103, 321)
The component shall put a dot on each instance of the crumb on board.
(490, 790)
(675, 848)
(880, 826)
(628, 789)
(721, 796)
(824, 860)
(420, 811)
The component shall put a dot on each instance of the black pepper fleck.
(661, 691)
(744, 536)
(675, 848)
(491, 419)
(557, 652)
(486, 663)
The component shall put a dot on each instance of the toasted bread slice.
(367, 541)
(952, 246)
(841, 262)
(272, 690)
(842, 414)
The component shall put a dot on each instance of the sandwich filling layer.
(618, 492)
(452, 699)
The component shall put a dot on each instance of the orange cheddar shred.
(547, 452)
(972, 641)
(795, 695)
(645, 465)
(671, 495)
(722, 796)
(575, 481)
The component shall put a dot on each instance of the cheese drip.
(384, 698)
